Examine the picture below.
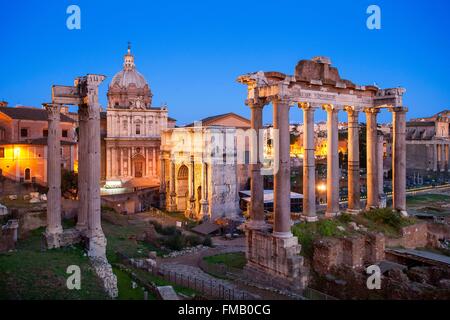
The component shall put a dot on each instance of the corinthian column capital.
(330, 108)
(398, 109)
(371, 110)
(53, 110)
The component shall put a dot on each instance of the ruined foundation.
(274, 261)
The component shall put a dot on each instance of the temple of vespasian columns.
(84, 93)
(315, 85)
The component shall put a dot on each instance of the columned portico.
(354, 201)
(399, 159)
(315, 83)
(371, 145)
(54, 228)
(309, 164)
(332, 161)
(282, 178)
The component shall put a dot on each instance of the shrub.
(207, 241)
(387, 217)
(175, 242)
(327, 228)
(193, 240)
(345, 218)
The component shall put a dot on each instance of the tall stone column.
(354, 189)
(371, 145)
(172, 200)
(309, 164)
(204, 199)
(399, 160)
(83, 165)
(256, 205)
(54, 228)
(380, 168)
(190, 212)
(282, 178)
(97, 240)
(332, 161)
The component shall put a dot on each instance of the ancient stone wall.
(414, 236)
(353, 252)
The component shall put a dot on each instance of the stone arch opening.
(182, 188)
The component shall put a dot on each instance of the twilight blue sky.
(191, 52)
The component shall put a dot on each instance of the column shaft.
(332, 162)
(380, 169)
(354, 201)
(282, 177)
(399, 160)
(256, 206)
(309, 165)
(54, 226)
(371, 145)
(83, 164)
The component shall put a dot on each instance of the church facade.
(134, 127)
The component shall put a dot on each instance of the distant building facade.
(133, 137)
(23, 144)
(427, 144)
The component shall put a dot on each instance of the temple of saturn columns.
(84, 93)
(273, 252)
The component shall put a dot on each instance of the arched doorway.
(182, 188)
(27, 174)
(138, 166)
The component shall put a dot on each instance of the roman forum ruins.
(315, 85)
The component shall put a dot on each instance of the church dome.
(125, 78)
(128, 75)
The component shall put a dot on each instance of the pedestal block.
(275, 261)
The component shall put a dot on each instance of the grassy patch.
(424, 199)
(233, 259)
(30, 273)
(126, 291)
(385, 220)
(308, 232)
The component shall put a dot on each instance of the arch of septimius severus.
(315, 85)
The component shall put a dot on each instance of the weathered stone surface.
(167, 293)
(104, 271)
(275, 260)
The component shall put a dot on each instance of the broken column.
(204, 196)
(54, 228)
